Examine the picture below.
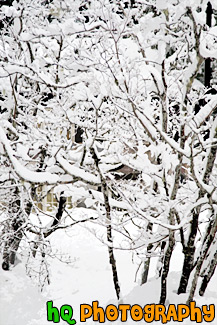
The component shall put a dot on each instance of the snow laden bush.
(129, 74)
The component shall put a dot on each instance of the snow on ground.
(87, 279)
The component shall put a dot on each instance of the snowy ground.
(88, 279)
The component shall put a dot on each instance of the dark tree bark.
(209, 239)
(146, 266)
(172, 215)
(58, 216)
(166, 267)
(150, 246)
(78, 135)
(14, 231)
(208, 70)
(53, 227)
(165, 272)
(207, 277)
(189, 251)
(112, 260)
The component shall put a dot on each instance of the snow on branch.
(150, 125)
(205, 111)
(114, 203)
(145, 121)
(208, 188)
(183, 222)
(208, 43)
(78, 172)
(23, 172)
(7, 125)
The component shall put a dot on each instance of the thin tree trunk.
(14, 230)
(208, 275)
(189, 251)
(172, 214)
(146, 266)
(150, 246)
(58, 216)
(53, 227)
(166, 266)
(208, 70)
(112, 260)
(202, 257)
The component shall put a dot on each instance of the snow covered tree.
(127, 75)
